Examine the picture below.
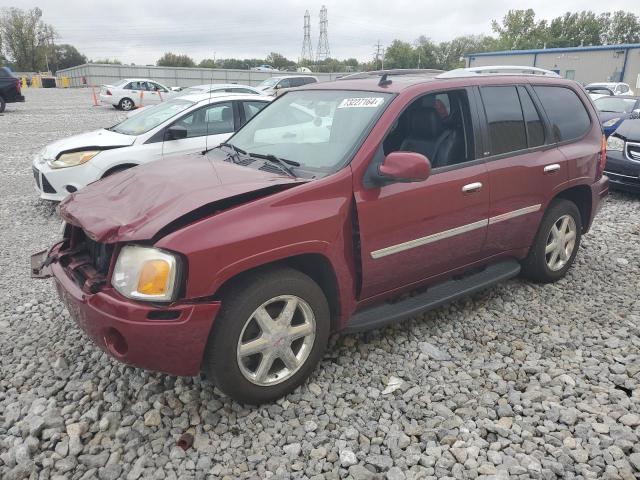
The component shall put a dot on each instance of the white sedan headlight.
(146, 273)
(615, 143)
(73, 158)
(611, 123)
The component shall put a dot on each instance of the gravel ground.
(521, 381)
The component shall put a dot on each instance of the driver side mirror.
(404, 167)
(176, 132)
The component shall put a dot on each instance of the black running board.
(381, 315)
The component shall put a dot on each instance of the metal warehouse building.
(612, 63)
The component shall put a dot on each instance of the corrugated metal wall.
(98, 74)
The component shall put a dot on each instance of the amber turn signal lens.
(154, 276)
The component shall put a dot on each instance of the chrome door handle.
(472, 187)
(554, 167)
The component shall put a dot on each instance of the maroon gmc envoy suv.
(322, 212)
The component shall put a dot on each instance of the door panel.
(520, 189)
(218, 120)
(417, 230)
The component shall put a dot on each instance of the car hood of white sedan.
(98, 139)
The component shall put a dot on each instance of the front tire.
(556, 244)
(269, 335)
(126, 104)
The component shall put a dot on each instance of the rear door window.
(251, 108)
(535, 128)
(567, 114)
(507, 132)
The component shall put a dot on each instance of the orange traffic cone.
(95, 98)
(141, 97)
(160, 95)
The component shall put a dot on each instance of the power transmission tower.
(307, 53)
(323, 51)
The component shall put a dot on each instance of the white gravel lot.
(521, 381)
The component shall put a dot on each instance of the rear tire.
(126, 104)
(256, 358)
(3, 104)
(556, 244)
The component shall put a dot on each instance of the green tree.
(279, 61)
(621, 27)
(519, 30)
(400, 55)
(26, 39)
(173, 60)
(207, 63)
(107, 61)
(575, 29)
(66, 56)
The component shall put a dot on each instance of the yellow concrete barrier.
(23, 80)
(63, 82)
(36, 81)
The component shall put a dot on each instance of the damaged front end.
(84, 260)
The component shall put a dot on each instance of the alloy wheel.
(276, 340)
(560, 242)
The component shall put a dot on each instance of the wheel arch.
(315, 265)
(117, 168)
(580, 195)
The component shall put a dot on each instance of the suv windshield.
(615, 104)
(318, 129)
(151, 117)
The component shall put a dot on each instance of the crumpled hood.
(99, 138)
(137, 203)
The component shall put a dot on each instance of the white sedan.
(131, 93)
(218, 88)
(174, 128)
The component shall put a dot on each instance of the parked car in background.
(598, 92)
(242, 263)
(272, 86)
(176, 127)
(218, 88)
(615, 110)
(10, 88)
(264, 68)
(623, 155)
(130, 93)
(608, 88)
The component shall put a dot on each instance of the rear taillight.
(108, 92)
(19, 85)
(603, 157)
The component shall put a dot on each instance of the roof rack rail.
(498, 70)
(393, 72)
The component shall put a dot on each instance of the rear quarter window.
(567, 115)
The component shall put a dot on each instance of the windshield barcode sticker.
(361, 102)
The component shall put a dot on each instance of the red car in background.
(322, 212)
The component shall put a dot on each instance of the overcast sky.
(140, 31)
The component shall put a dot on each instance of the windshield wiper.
(283, 163)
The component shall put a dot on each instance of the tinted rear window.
(567, 114)
(504, 116)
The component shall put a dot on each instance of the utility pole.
(377, 54)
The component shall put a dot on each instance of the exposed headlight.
(615, 143)
(611, 123)
(146, 273)
(72, 159)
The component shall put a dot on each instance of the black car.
(10, 88)
(623, 155)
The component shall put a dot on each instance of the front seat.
(428, 136)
